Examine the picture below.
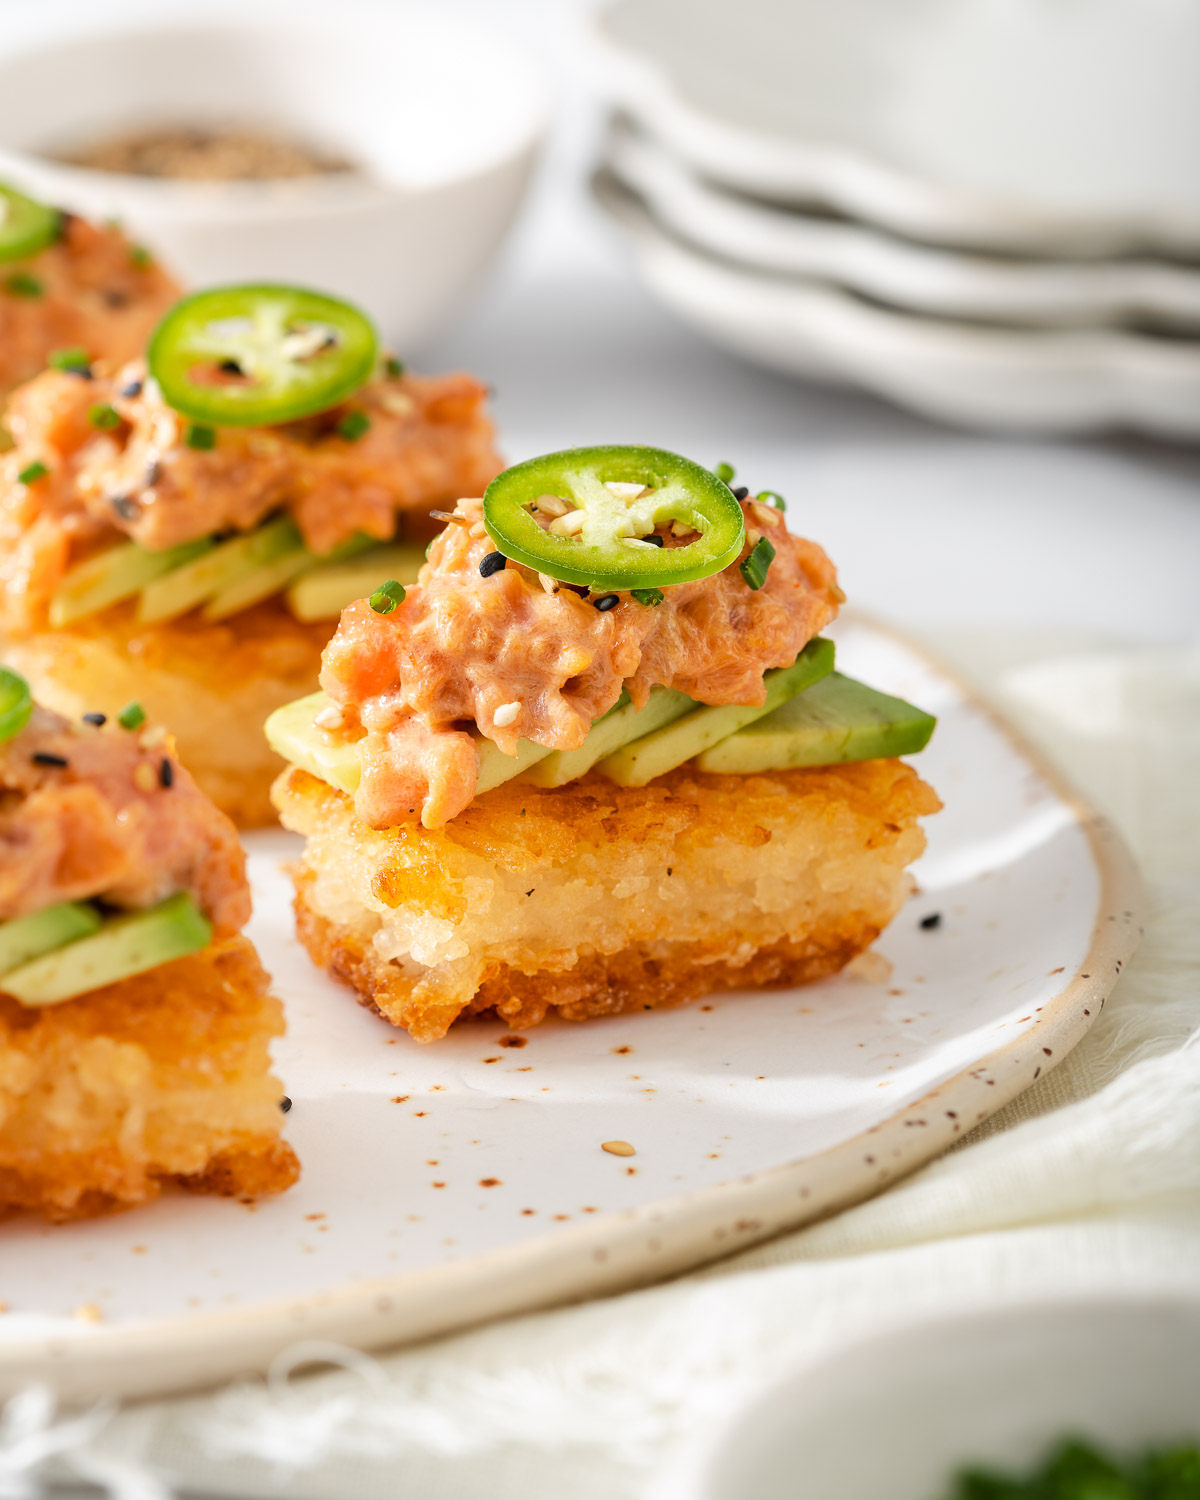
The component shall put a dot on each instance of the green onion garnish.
(769, 497)
(652, 597)
(394, 367)
(132, 716)
(31, 473)
(104, 417)
(724, 472)
(756, 566)
(386, 597)
(353, 425)
(202, 439)
(23, 284)
(140, 258)
(74, 358)
(16, 703)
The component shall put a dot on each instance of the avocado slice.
(326, 590)
(617, 727)
(24, 938)
(116, 574)
(220, 569)
(291, 732)
(834, 721)
(653, 755)
(123, 946)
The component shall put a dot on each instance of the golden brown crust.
(212, 684)
(163, 1078)
(593, 899)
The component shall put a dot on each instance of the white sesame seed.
(506, 714)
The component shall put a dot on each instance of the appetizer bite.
(185, 529)
(596, 759)
(135, 1019)
(66, 284)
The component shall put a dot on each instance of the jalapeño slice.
(615, 517)
(26, 226)
(255, 356)
(16, 703)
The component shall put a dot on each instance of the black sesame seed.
(80, 372)
(742, 492)
(492, 563)
(46, 758)
(97, 719)
(229, 367)
(127, 508)
(115, 298)
(153, 473)
(134, 388)
(166, 772)
(934, 919)
(606, 602)
(285, 1104)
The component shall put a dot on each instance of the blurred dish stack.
(986, 210)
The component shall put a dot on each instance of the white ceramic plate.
(919, 277)
(464, 1180)
(1051, 380)
(1018, 125)
(999, 1388)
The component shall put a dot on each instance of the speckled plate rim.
(641, 1245)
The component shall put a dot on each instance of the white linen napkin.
(1088, 1182)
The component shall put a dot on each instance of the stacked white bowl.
(986, 210)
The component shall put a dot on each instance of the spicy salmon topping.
(520, 656)
(426, 440)
(89, 811)
(92, 288)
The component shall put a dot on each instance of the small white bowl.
(443, 117)
(899, 1416)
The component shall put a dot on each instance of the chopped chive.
(23, 284)
(393, 367)
(132, 716)
(73, 361)
(429, 548)
(31, 473)
(769, 497)
(652, 597)
(202, 439)
(140, 258)
(756, 566)
(353, 425)
(104, 417)
(724, 472)
(386, 597)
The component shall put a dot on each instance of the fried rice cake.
(593, 899)
(119, 1076)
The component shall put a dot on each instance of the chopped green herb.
(1078, 1471)
(393, 367)
(769, 497)
(31, 473)
(202, 439)
(386, 597)
(74, 358)
(724, 472)
(353, 425)
(132, 716)
(23, 284)
(140, 258)
(652, 597)
(755, 567)
(104, 417)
